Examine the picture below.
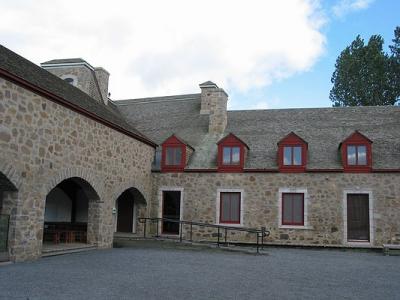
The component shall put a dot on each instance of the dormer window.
(175, 154)
(71, 79)
(231, 154)
(356, 153)
(292, 153)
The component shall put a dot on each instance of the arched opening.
(71, 215)
(128, 208)
(7, 208)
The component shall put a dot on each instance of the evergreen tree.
(366, 75)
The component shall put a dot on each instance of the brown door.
(171, 210)
(125, 213)
(358, 217)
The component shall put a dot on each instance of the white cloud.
(159, 47)
(344, 7)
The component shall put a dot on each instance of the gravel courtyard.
(154, 273)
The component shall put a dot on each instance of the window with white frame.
(230, 207)
(293, 208)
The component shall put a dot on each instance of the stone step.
(51, 252)
(184, 245)
(4, 257)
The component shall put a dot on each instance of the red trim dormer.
(292, 154)
(356, 153)
(231, 154)
(174, 154)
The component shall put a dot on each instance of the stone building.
(75, 165)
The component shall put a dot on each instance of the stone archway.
(72, 213)
(8, 208)
(129, 205)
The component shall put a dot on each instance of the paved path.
(154, 273)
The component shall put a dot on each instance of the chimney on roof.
(214, 103)
(102, 78)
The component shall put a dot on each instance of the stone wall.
(325, 213)
(41, 144)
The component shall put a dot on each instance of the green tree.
(366, 75)
(395, 62)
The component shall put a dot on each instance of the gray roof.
(65, 61)
(20, 67)
(322, 128)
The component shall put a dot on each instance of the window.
(230, 207)
(356, 155)
(292, 156)
(231, 155)
(232, 152)
(292, 153)
(69, 80)
(293, 209)
(174, 156)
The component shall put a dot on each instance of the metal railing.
(259, 233)
(4, 226)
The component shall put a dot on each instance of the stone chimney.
(102, 78)
(214, 103)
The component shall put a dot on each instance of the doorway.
(358, 227)
(171, 209)
(126, 212)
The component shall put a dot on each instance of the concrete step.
(54, 252)
(4, 257)
(184, 245)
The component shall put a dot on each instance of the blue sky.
(270, 54)
(311, 88)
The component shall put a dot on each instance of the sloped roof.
(22, 68)
(65, 61)
(261, 130)
(323, 129)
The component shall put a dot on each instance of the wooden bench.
(388, 247)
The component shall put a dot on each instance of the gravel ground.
(155, 273)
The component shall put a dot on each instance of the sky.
(265, 54)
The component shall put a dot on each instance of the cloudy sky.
(265, 54)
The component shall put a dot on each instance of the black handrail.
(260, 233)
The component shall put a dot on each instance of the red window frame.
(292, 217)
(357, 162)
(174, 150)
(292, 155)
(173, 142)
(230, 221)
(231, 163)
(292, 140)
(231, 141)
(356, 139)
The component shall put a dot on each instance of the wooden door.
(171, 210)
(358, 217)
(125, 213)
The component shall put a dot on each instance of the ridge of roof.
(182, 97)
(315, 108)
(65, 61)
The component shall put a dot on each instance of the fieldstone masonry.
(261, 203)
(43, 143)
